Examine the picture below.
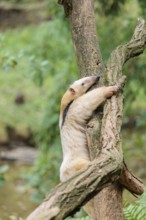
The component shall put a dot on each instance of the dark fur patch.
(65, 112)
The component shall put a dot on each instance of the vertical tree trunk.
(85, 39)
(89, 59)
(108, 203)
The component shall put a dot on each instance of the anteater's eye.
(83, 84)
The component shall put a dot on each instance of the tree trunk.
(86, 44)
(104, 203)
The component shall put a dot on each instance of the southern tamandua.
(77, 106)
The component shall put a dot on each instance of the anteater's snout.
(97, 78)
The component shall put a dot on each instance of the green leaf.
(136, 211)
(2, 180)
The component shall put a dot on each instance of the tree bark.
(68, 196)
(85, 39)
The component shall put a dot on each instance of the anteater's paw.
(111, 90)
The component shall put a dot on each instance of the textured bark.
(85, 39)
(131, 182)
(105, 206)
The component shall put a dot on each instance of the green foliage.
(136, 211)
(29, 58)
(111, 7)
(44, 70)
(47, 137)
(3, 170)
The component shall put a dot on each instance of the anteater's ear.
(72, 90)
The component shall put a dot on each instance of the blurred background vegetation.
(37, 64)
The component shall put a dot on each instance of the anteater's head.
(77, 89)
(83, 85)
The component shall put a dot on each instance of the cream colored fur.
(73, 136)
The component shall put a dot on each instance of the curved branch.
(125, 52)
(67, 197)
(113, 109)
